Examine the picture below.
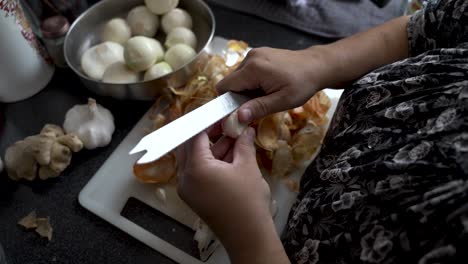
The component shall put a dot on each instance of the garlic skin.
(157, 70)
(177, 17)
(181, 35)
(116, 30)
(92, 123)
(142, 52)
(96, 59)
(160, 7)
(232, 127)
(143, 22)
(120, 73)
(179, 55)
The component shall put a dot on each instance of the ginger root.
(45, 155)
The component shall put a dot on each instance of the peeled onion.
(157, 70)
(176, 18)
(141, 53)
(96, 59)
(143, 22)
(181, 35)
(179, 55)
(160, 7)
(116, 30)
(120, 73)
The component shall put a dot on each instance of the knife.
(168, 137)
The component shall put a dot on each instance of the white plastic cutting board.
(113, 184)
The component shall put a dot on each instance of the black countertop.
(80, 236)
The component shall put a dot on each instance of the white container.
(25, 67)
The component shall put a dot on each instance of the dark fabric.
(391, 182)
(326, 18)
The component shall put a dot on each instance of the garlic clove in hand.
(232, 127)
(92, 123)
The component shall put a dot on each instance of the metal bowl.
(85, 32)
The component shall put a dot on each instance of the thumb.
(260, 107)
(244, 148)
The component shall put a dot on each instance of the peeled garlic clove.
(160, 7)
(116, 30)
(273, 208)
(232, 127)
(158, 70)
(177, 17)
(158, 171)
(282, 159)
(120, 73)
(141, 53)
(181, 35)
(96, 59)
(179, 55)
(143, 22)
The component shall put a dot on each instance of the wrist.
(326, 66)
(254, 241)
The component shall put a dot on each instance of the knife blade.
(168, 137)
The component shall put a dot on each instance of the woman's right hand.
(287, 78)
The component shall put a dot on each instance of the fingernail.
(245, 115)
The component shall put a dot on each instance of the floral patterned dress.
(391, 182)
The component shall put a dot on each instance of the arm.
(290, 78)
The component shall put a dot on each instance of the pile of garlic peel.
(45, 155)
(129, 46)
(285, 141)
(92, 123)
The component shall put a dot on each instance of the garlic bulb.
(179, 55)
(141, 53)
(176, 18)
(116, 30)
(92, 123)
(160, 7)
(1, 165)
(96, 59)
(181, 35)
(143, 22)
(157, 70)
(120, 73)
(232, 127)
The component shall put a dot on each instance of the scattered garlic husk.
(181, 35)
(119, 72)
(282, 159)
(142, 52)
(158, 171)
(44, 229)
(29, 221)
(179, 55)
(92, 123)
(160, 193)
(206, 240)
(177, 17)
(160, 7)
(306, 142)
(116, 30)
(96, 59)
(158, 70)
(232, 127)
(143, 22)
(267, 133)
